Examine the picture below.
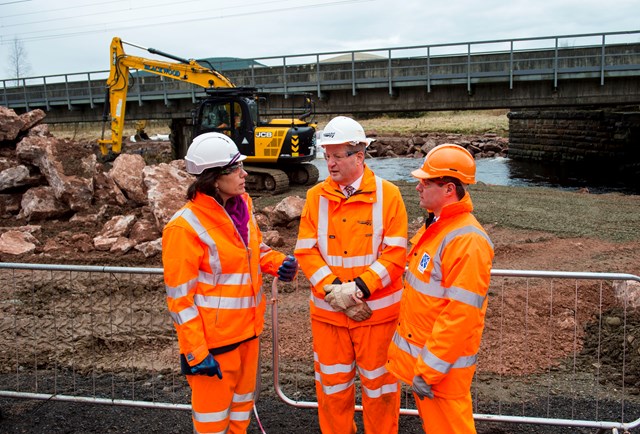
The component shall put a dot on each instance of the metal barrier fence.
(559, 348)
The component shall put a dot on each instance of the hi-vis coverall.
(214, 294)
(442, 316)
(363, 236)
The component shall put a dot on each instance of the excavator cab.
(278, 150)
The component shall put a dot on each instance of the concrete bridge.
(553, 73)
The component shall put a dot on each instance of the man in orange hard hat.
(443, 305)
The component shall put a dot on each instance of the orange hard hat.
(448, 160)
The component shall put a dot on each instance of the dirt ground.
(550, 346)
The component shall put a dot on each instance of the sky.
(72, 36)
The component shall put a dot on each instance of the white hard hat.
(342, 129)
(211, 150)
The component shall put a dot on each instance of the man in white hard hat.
(352, 248)
(213, 258)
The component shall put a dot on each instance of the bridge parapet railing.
(598, 55)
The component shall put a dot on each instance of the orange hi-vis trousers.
(224, 405)
(337, 352)
(446, 416)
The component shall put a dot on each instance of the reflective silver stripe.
(377, 393)
(466, 230)
(184, 315)
(224, 302)
(224, 431)
(374, 373)
(434, 289)
(234, 279)
(180, 290)
(337, 368)
(319, 303)
(247, 397)
(382, 273)
(349, 261)
(208, 278)
(465, 296)
(395, 241)
(385, 301)
(264, 249)
(323, 227)
(320, 274)
(306, 243)
(406, 346)
(214, 258)
(330, 390)
(440, 365)
(358, 261)
(215, 416)
(376, 220)
(240, 415)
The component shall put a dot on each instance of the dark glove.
(288, 269)
(208, 366)
(421, 388)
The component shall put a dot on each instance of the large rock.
(166, 189)
(105, 189)
(17, 242)
(10, 124)
(127, 173)
(118, 226)
(17, 176)
(68, 167)
(31, 118)
(40, 203)
(289, 209)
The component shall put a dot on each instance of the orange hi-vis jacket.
(213, 280)
(363, 236)
(444, 303)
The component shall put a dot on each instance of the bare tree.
(18, 65)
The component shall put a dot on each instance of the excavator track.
(302, 174)
(266, 180)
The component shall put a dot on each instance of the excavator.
(278, 150)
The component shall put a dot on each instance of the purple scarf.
(239, 213)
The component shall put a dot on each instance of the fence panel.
(558, 348)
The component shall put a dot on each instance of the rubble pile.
(487, 145)
(116, 208)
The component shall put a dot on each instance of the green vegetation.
(610, 217)
(463, 122)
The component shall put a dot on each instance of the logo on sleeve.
(424, 261)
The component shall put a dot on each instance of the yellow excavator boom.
(187, 70)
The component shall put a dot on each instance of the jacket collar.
(332, 190)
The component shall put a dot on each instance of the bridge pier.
(602, 139)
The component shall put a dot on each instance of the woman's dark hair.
(205, 183)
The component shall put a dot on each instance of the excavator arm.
(186, 70)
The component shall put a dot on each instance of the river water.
(504, 171)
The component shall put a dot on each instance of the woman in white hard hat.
(213, 258)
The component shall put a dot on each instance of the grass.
(453, 122)
(467, 122)
(610, 217)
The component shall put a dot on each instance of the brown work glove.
(360, 312)
(342, 296)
